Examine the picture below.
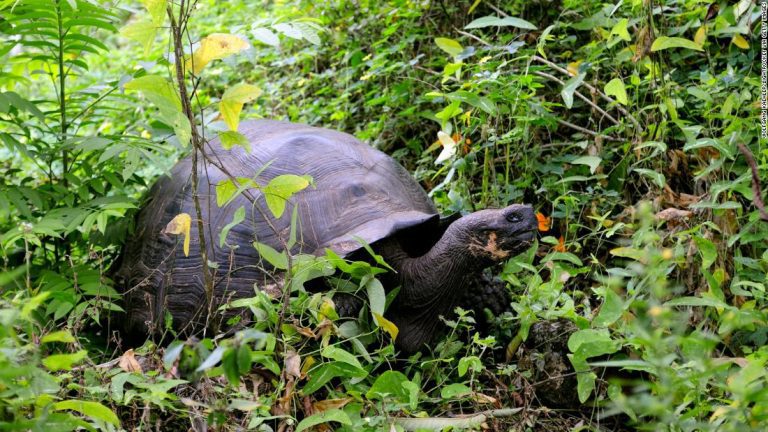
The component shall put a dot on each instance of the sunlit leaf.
(56, 362)
(156, 9)
(231, 138)
(592, 161)
(666, 42)
(280, 189)
(90, 409)
(143, 32)
(452, 47)
(180, 225)
(387, 325)
(616, 88)
(620, 30)
(214, 47)
(233, 100)
(740, 42)
(700, 36)
(278, 260)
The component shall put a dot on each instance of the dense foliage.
(632, 127)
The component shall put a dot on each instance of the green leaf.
(455, 391)
(158, 90)
(58, 362)
(698, 301)
(277, 259)
(334, 353)
(333, 415)
(615, 87)
(657, 177)
(63, 336)
(592, 343)
(280, 189)
(230, 139)
(611, 310)
(212, 360)
(237, 217)
(93, 410)
(265, 36)
(233, 100)
(376, 295)
(665, 42)
(570, 87)
(327, 371)
(465, 363)
(620, 30)
(707, 249)
(389, 384)
(452, 47)
(592, 161)
(488, 21)
(143, 32)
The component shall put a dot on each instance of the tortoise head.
(496, 234)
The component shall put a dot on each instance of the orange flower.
(560, 247)
(544, 222)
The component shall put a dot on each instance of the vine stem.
(197, 144)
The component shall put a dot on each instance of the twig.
(497, 10)
(585, 130)
(594, 89)
(581, 96)
(440, 423)
(471, 36)
(758, 199)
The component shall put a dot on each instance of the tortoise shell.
(358, 192)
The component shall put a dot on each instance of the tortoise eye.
(514, 218)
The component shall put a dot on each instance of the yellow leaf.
(701, 35)
(233, 100)
(214, 47)
(573, 68)
(387, 325)
(740, 42)
(156, 9)
(180, 225)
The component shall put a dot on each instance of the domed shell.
(357, 192)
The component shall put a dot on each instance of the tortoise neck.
(430, 284)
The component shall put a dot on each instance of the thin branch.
(758, 199)
(586, 131)
(594, 89)
(176, 33)
(581, 96)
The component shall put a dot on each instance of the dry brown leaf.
(673, 213)
(128, 362)
(292, 365)
(484, 399)
(329, 404)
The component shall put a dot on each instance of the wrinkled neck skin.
(430, 284)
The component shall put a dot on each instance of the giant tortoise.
(359, 193)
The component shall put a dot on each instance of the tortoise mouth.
(520, 241)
